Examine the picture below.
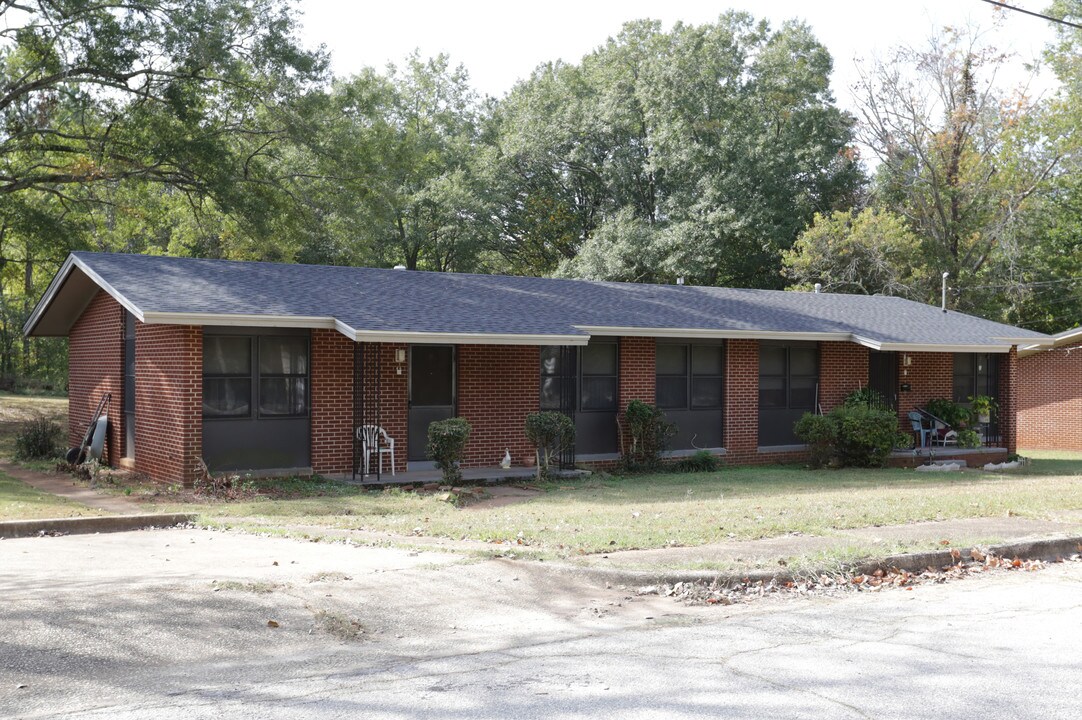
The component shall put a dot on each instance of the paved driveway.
(174, 624)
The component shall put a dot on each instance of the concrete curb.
(86, 525)
(1039, 549)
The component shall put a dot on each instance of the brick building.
(1050, 394)
(272, 368)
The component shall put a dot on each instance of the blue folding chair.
(916, 419)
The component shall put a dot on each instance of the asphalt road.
(174, 624)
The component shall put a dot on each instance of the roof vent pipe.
(818, 288)
(680, 280)
(399, 267)
(945, 276)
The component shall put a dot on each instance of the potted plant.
(983, 407)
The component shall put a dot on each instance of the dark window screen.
(672, 376)
(599, 379)
(227, 376)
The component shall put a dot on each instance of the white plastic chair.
(375, 441)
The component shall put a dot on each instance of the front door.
(883, 375)
(431, 393)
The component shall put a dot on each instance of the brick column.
(1008, 399)
(332, 402)
(741, 431)
(638, 374)
(168, 401)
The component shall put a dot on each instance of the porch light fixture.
(400, 355)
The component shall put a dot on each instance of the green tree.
(393, 172)
(700, 152)
(123, 123)
(871, 252)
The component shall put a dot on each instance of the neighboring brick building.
(1050, 395)
(274, 368)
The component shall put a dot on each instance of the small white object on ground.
(1003, 465)
(939, 467)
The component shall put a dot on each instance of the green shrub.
(820, 432)
(650, 434)
(701, 461)
(447, 444)
(856, 434)
(949, 412)
(38, 439)
(548, 432)
(866, 435)
(969, 438)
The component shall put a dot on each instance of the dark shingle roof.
(396, 301)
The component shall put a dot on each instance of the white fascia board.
(602, 331)
(238, 320)
(435, 338)
(1067, 337)
(918, 347)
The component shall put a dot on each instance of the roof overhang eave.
(70, 265)
(386, 336)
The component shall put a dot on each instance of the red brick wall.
(1050, 399)
(498, 386)
(332, 402)
(930, 376)
(168, 401)
(843, 368)
(741, 428)
(96, 367)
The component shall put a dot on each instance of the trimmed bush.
(446, 446)
(38, 439)
(549, 432)
(650, 434)
(820, 433)
(866, 435)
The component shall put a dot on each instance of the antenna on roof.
(818, 288)
(945, 276)
(680, 280)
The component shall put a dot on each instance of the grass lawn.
(19, 501)
(652, 511)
